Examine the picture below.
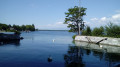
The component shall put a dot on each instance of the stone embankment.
(99, 40)
(100, 48)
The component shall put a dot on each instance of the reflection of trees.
(98, 54)
(74, 57)
(111, 59)
(11, 42)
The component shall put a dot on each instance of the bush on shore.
(98, 31)
(110, 30)
(73, 37)
(87, 31)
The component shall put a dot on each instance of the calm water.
(36, 47)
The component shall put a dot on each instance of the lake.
(36, 47)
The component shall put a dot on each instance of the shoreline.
(99, 40)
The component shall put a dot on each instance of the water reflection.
(102, 48)
(106, 56)
(73, 58)
(11, 42)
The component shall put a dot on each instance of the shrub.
(73, 37)
(98, 31)
(112, 30)
(17, 32)
(87, 31)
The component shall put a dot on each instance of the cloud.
(54, 26)
(94, 19)
(117, 16)
(103, 19)
(97, 22)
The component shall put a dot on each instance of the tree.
(33, 26)
(4, 27)
(87, 31)
(98, 31)
(30, 27)
(74, 17)
(23, 27)
(112, 30)
(17, 27)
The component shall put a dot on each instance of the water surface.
(36, 47)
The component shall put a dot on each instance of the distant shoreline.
(37, 30)
(53, 30)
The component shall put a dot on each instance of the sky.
(50, 14)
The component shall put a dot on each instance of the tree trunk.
(78, 29)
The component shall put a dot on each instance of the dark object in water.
(21, 38)
(9, 36)
(49, 59)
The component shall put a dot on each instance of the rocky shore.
(99, 40)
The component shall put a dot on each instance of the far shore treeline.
(12, 28)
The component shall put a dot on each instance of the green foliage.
(98, 31)
(17, 32)
(17, 27)
(87, 31)
(30, 27)
(73, 37)
(73, 17)
(112, 30)
(23, 27)
(5, 27)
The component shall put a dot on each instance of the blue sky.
(49, 14)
